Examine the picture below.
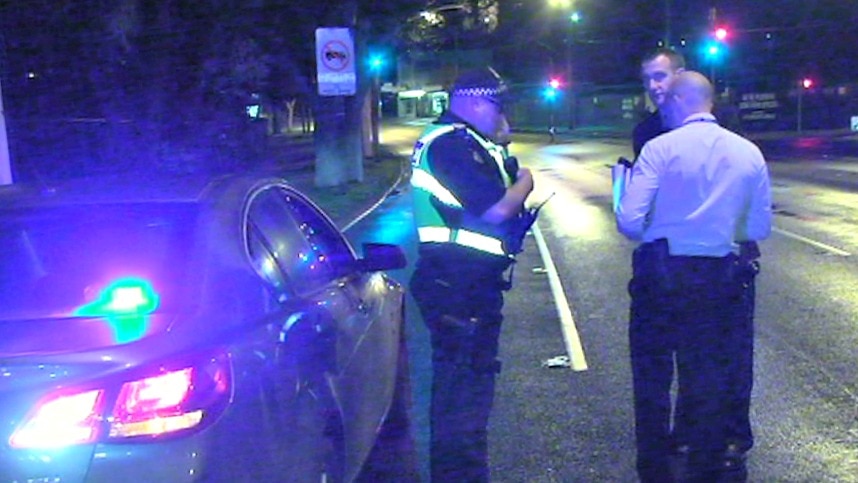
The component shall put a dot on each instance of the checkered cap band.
(480, 91)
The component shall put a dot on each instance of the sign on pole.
(335, 62)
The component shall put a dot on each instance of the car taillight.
(62, 420)
(153, 405)
(162, 404)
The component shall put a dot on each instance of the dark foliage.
(100, 85)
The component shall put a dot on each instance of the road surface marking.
(567, 323)
(815, 243)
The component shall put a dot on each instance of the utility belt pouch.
(745, 266)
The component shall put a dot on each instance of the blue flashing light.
(126, 304)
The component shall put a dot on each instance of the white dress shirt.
(701, 187)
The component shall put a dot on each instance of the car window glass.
(265, 264)
(304, 268)
(324, 238)
(57, 261)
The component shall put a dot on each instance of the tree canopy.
(141, 81)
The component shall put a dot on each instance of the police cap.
(482, 82)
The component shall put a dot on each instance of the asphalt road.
(559, 424)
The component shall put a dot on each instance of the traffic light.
(376, 62)
(807, 82)
(553, 89)
(715, 48)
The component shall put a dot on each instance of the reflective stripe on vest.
(472, 239)
(420, 179)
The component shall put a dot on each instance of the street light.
(715, 49)
(574, 18)
(805, 84)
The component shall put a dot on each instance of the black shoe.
(733, 467)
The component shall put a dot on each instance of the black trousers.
(461, 306)
(691, 310)
(740, 437)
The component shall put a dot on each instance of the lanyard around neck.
(700, 119)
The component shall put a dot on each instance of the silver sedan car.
(192, 330)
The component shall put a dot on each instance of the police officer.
(468, 207)
(659, 68)
(695, 194)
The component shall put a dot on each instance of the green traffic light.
(376, 62)
(714, 51)
(550, 93)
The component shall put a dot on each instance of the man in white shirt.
(695, 195)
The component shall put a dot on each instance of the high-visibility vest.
(431, 227)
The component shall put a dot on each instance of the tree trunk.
(290, 113)
(339, 155)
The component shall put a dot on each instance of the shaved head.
(693, 84)
(691, 93)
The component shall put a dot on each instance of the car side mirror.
(381, 256)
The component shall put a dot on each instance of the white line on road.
(815, 243)
(567, 323)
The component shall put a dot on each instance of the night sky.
(770, 40)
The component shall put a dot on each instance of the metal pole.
(713, 20)
(375, 113)
(5, 161)
(800, 96)
(568, 79)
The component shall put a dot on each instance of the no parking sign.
(335, 62)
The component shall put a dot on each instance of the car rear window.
(74, 261)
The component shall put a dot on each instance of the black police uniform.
(459, 292)
(740, 346)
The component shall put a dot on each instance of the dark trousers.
(461, 307)
(690, 309)
(739, 435)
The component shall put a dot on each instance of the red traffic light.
(721, 33)
(554, 83)
(807, 83)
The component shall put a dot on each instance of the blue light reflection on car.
(126, 304)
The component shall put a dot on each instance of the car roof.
(130, 189)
